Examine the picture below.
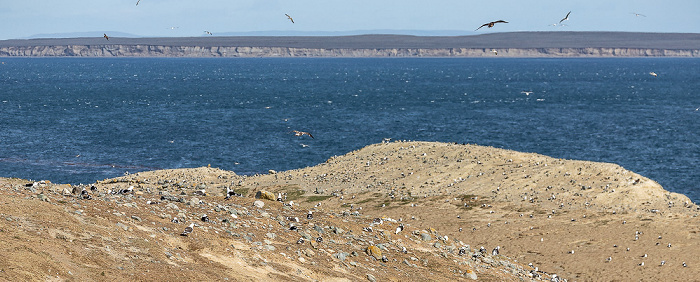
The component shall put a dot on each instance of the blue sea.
(78, 120)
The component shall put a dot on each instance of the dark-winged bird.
(565, 18)
(105, 36)
(289, 17)
(491, 24)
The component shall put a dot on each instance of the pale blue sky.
(24, 18)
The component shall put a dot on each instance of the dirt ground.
(580, 221)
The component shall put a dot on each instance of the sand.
(579, 220)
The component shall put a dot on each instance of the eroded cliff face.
(194, 51)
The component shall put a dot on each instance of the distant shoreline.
(512, 44)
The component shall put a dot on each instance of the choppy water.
(75, 120)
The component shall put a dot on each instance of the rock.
(259, 204)
(271, 235)
(370, 277)
(42, 197)
(193, 201)
(308, 252)
(338, 230)
(270, 247)
(171, 206)
(470, 274)
(265, 195)
(374, 251)
(135, 218)
(122, 226)
(426, 237)
(341, 256)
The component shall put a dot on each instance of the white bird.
(399, 229)
(494, 51)
(495, 250)
(639, 15)
(527, 93)
(309, 215)
(653, 74)
(188, 230)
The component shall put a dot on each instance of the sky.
(167, 18)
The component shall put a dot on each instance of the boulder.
(374, 251)
(265, 195)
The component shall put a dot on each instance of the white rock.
(259, 204)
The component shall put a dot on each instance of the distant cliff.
(517, 44)
(195, 51)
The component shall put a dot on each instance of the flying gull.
(289, 17)
(207, 32)
(565, 18)
(301, 133)
(494, 51)
(653, 74)
(137, 2)
(639, 15)
(491, 24)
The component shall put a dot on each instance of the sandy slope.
(573, 218)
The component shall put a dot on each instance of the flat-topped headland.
(386, 212)
(510, 44)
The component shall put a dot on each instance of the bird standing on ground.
(289, 17)
(565, 18)
(491, 24)
(188, 230)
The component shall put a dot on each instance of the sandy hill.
(579, 220)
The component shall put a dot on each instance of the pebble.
(374, 251)
(370, 277)
(259, 204)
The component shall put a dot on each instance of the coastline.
(515, 44)
(563, 216)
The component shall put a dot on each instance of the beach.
(578, 220)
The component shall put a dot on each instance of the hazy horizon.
(178, 18)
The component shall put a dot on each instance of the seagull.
(491, 24)
(527, 93)
(137, 2)
(175, 220)
(207, 32)
(105, 36)
(301, 133)
(495, 251)
(639, 15)
(205, 218)
(653, 74)
(494, 51)
(398, 229)
(304, 145)
(565, 18)
(310, 215)
(188, 230)
(289, 17)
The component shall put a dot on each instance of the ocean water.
(78, 120)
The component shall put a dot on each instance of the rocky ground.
(577, 220)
